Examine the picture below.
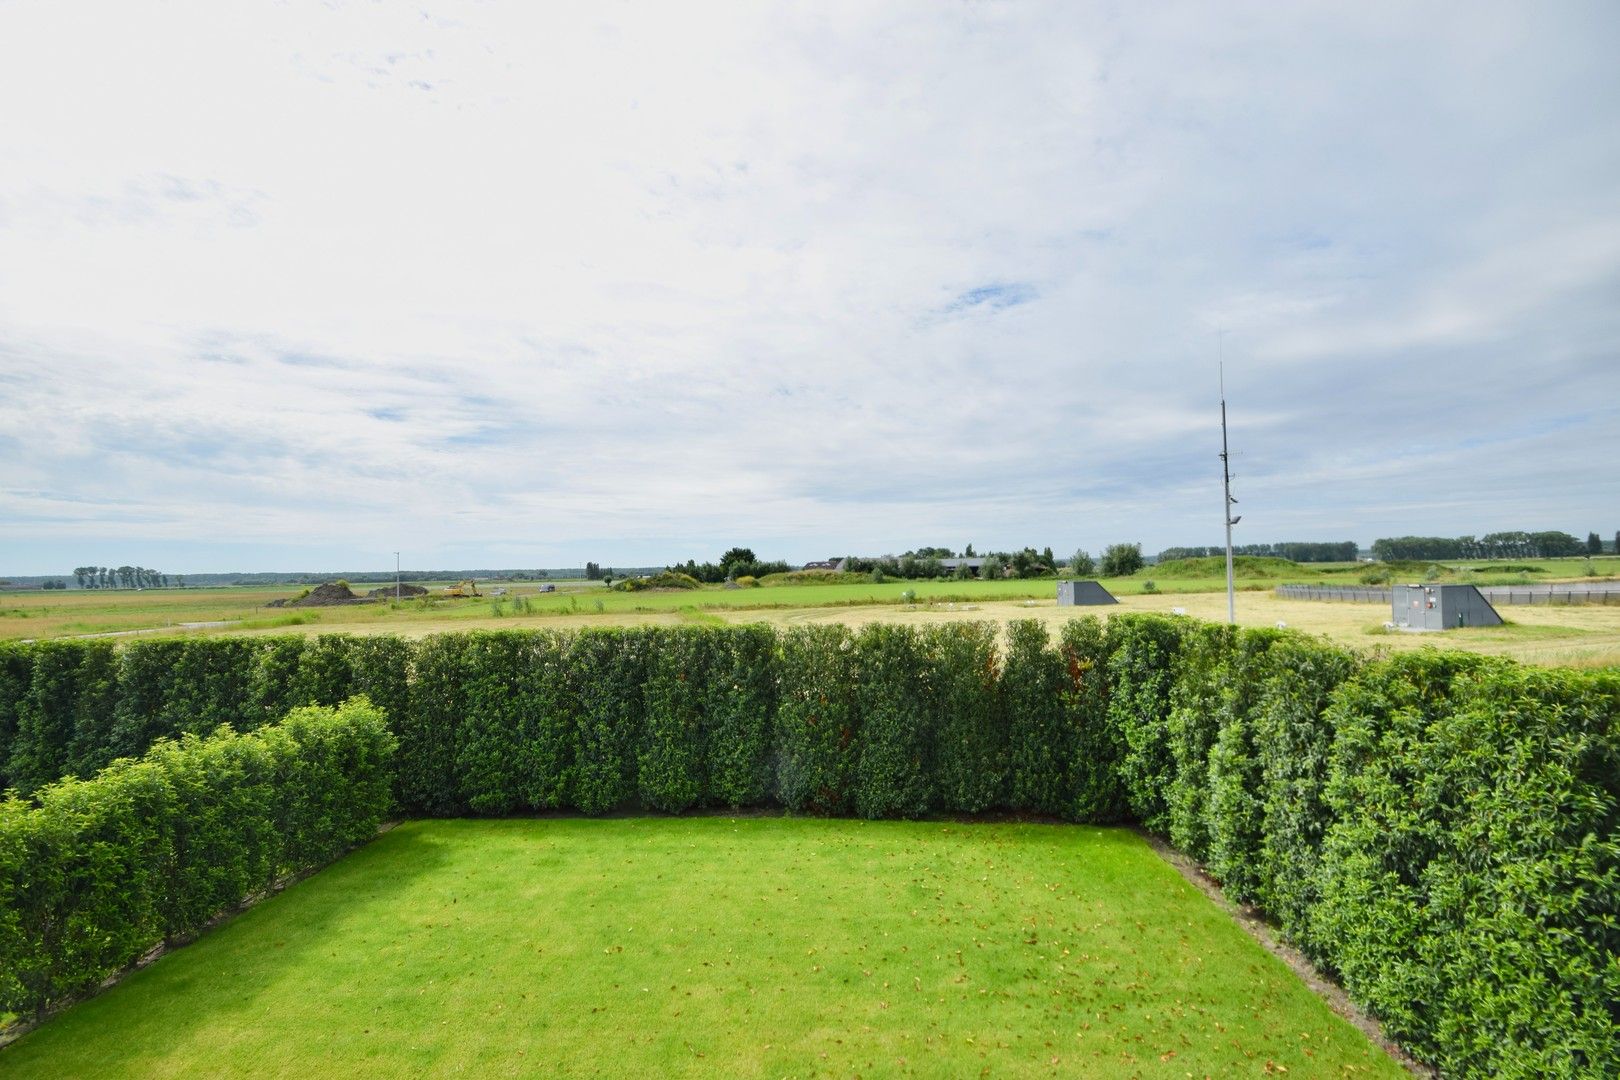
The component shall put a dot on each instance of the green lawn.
(708, 946)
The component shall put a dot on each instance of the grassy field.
(55, 614)
(1586, 635)
(756, 947)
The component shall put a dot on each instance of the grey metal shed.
(1440, 607)
(1083, 593)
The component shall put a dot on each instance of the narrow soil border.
(1255, 925)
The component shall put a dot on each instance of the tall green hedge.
(1100, 746)
(175, 686)
(608, 667)
(1190, 729)
(1233, 805)
(970, 717)
(69, 708)
(1523, 904)
(490, 766)
(894, 771)
(548, 724)
(93, 873)
(1439, 829)
(429, 729)
(64, 716)
(671, 761)
(739, 704)
(816, 720)
(1143, 651)
(1041, 735)
(1293, 743)
(16, 674)
(1470, 874)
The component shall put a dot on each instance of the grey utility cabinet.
(1083, 593)
(1440, 607)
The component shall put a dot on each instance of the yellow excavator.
(463, 588)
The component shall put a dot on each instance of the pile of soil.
(331, 594)
(404, 591)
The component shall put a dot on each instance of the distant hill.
(1243, 566)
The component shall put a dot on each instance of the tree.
(1594, 544)
(967, 552)
(737, 556)
(993, 569)
(926, 552)
(1121, 560)
(1554, 545)
(593, 572)
(1082, 564)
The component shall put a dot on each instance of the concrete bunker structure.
(1083, 594)
(1440, 607)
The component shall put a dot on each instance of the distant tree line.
(736, 563)
(1497, 545)
(908, 566)
(1293, 550)
(922, 563)
(119, 577)
(927, 562)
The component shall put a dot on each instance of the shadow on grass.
(215, 981)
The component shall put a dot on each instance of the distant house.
(825, 564)
(975, 565)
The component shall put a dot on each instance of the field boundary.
(1521, 595)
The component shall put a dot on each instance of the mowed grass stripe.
(755, 947)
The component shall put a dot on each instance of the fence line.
(1347, 593)
(1597, 593)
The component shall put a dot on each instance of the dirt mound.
(404, 591)
(330, 594)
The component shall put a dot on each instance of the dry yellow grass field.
(1579, 635)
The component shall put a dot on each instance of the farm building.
(1083, 594)
(1440, 607)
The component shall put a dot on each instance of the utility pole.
(1226, 507)
(397, 592)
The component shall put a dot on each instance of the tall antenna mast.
(1226, 487)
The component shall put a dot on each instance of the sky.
(295, 286)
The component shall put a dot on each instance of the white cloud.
(645, 281)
